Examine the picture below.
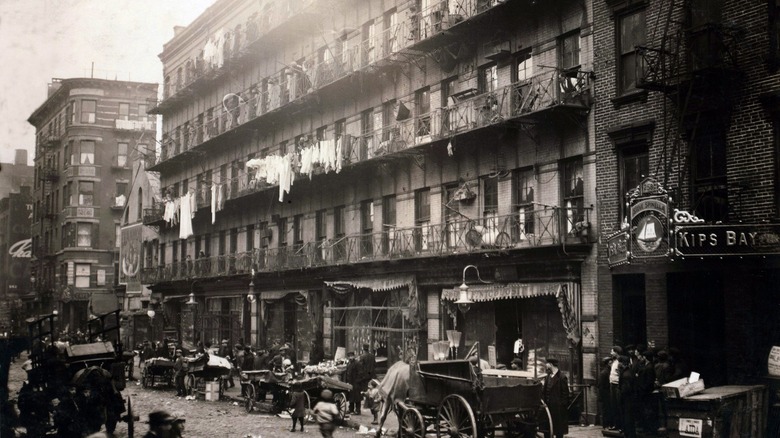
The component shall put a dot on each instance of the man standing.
(556, 395)
(178, 374)
(352, 375)
(614, 387)
(367, 372)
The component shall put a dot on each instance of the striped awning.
(271, 295)
(377, 283)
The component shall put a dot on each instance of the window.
(121, 154)
(339, 230)
(121, 189)
(422, 100)
(67, 194)
(490, 205)
(573, 193)
(569, 50)
(87, 152)
(388, 119)
(250, 237)
(142, 108)
(298, 230)
(88, 108)
(320, 224)
(366, 128)
(140, 204)
(367, 227)
(388, 223)
(524, 202)
(70, 113)
(634, 165)
(124, 111)
(282, 232)
(86, 192)
(338, 128)
(422, 218)
(67, 157)
(117, 235)
(84, 235)
(523, 66)
(631, 29)
(83, 271)
(488, 79)
(710, 191)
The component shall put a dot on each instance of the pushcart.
(201, 371)
(257, 384)
(157, 370)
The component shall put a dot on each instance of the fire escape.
(44, 253)
(691, 58)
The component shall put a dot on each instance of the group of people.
(360, 371)
(628, 382)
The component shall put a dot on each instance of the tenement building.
(332, 171)
(687, 117)
(85, 131)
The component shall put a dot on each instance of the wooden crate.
(719, 412)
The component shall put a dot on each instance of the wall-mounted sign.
(21, 249)
(704, 240)
(617, 249)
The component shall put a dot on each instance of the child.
(373, 399)
(298, 403)
(326, 413)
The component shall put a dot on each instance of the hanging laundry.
(213, 203)
(193, 204)
(185, 229)
(339, 153)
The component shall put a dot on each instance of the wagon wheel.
(145, 378)
(503, 240)
(249, 401)
(537, 423)
(341, 402)
(455, 418)
(544, 423)
(412, 424)
(308, 415)
(487, 426)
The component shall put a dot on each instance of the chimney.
(21, 157)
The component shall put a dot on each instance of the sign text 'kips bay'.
(700, 240)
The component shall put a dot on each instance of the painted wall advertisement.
(130, 258)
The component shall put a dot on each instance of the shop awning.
(376, 283)
(271, 295)
(567, 294)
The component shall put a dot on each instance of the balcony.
(293, 85)
(118, 202)
(49, 173)
(708, 53)
(153, 215)
(527, 228)
(275, 21)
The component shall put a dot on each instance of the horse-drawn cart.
(256, 384)
(204, 369)
(456, 398)
(157, 370)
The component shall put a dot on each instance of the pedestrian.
(556, 395)
(261, 360)
(177, 427)
(614, 386)
(326, 413)
(317, 354)
(178, 374)
(298, 405)
(645, 384)
(367, 370)
(160, 425)
(605, 407)
(373, 400)
(352, 375)
(628, 405)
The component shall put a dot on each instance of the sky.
(45, 39)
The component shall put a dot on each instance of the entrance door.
(509, 325)
(697, 323)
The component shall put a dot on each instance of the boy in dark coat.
(298, 404)
(556, 396)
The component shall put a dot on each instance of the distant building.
(86, 132)
(15, 252)
(16, 174)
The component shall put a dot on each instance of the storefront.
(290, 316)
(384, 312)
(546, 316)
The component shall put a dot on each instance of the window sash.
(570, 50)
(87, 152)
(88, 108)
(124, 111)
(84, 235)
(422, 206)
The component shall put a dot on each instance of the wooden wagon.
(201, 371)
(157, 370)
(256, 384)
(457, 398)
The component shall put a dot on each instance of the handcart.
(257, 384)
(201, 371)
(157, 370)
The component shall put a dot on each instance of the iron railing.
(526, 228)
(153, 215)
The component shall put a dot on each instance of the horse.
(98, 399)
(399, 383)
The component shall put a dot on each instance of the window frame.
(123, 115)
(78, 273)
(628, 151)
(84, 231)
(571, 199)
(488, 83)
(524, 59)
(121, 158)
(573, 36)
(85, 113)
(84, 200)
(621, 52)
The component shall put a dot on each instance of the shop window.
(84, 235)
(631, 33)
(573, 194)
(87, 152)
(83, 273)
(710, 189)
(569, 50)
(86, 192)
(88, 110)
(524, 181)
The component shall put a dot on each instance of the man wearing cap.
(556, 396)
(160, 424)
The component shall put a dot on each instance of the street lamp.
(250, 296)
(464, 302)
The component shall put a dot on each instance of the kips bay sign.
(700, 240)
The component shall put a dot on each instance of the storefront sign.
(617, 249)
(702, 240)
(650, 227)
(21, 249)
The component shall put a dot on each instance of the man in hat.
(179, 370)
(177, 427)
(160, 425)
(556, 395)
(352, 376)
